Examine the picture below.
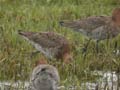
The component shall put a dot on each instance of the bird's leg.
(97, 49)
(84, 50)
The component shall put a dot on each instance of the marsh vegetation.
(44, 15)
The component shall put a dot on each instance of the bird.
(96, 27)
(85, 25)
(44, 77)
(50, 44)
(40, 61)
(109, 30)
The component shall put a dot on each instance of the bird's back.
(51, 44)
(86, 24)
(48, 39)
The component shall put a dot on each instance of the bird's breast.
(48, 52)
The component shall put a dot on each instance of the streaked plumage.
(97, 27)
(44, 77)
(86, 25)
(51, 44)
(105, 32)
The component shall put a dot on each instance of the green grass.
(44, 15)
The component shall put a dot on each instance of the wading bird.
(51, 44)
(96, 27)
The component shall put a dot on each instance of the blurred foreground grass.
(44, 15)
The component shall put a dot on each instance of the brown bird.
(109, 30)
(97, 27)
(42, 60)
(51, 44)
(44, 77)
(86, 25)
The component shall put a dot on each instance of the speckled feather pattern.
(86, 24)
(97, 27)
(44, 77)
(51, 44)
(105, 32)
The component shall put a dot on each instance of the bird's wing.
(105, 32)
(99, 33)
(89, 23)
(48, 39)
